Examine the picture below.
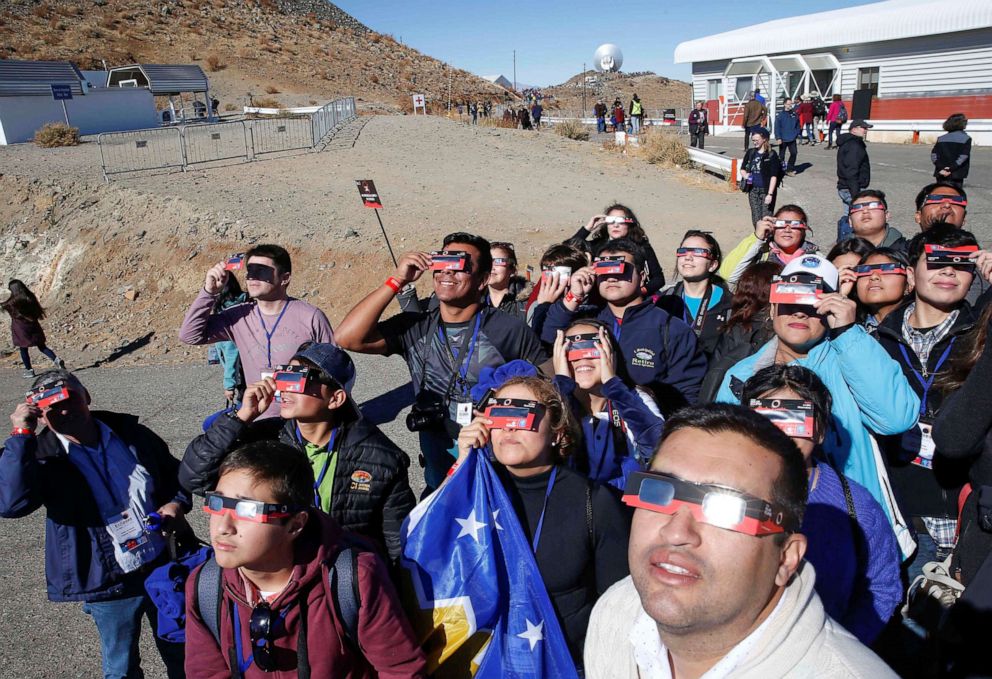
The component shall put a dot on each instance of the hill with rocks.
(291, 52)
(657, 92)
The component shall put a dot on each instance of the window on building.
(743, 88)
(868, 80)
(714, 89)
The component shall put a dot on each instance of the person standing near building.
(26, 314)
(836, 117)
(762, 171)
(951, 155)
(618, 116)
(787, 129)
(536, 111)
(636, 114)
(853, 170)
(698, 125)
(599, 110)
(805, 113)
(755, 114)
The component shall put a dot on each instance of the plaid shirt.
(924, 342)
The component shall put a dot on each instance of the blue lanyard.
(89, 454)
(327, 463)
(243, 662)
(547, 494)
(463, 370)
(269, 334)
(926, 384)
(616, 327)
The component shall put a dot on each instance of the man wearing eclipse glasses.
(941, 201)
(268, 329)
(718, 583)
(869, 218)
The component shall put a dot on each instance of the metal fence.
(244, 140)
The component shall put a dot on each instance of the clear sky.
(553, 38)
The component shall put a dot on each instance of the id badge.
(926, 446)
(125, 529)
(463, 415)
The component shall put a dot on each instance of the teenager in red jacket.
(277, 616)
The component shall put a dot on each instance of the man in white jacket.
(717, 585)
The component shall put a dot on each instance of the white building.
(905, 65)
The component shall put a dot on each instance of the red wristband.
(569, 297)
(451, 471)
(21, 431)
(393, 284)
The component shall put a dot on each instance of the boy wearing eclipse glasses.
(268, 329)
(274, 606)
(717, 576)
(869, 217)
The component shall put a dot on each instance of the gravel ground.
(40, 639)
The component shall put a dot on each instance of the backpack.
(342, 579)
(842, 114)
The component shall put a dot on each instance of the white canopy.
(889, 20)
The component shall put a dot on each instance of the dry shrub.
(374, 78)
(375, 38)
(41, 11)
(53, 135)
(661, 147)
(230, 107)
(266, 102)
(271, 89)
(108, 22)
(572, 129)
(215, 64)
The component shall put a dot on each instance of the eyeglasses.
(583, 345)
(260, 272)
(871, 205)
(709, 503)
(705, 253)
(513, 413)
(939, 257)
(937, 198)
(611, 266)
(796, 224)
(886, 269)
(456, 261)
(247, 510)
(795, 417)
(618, 220)
(261, 630)
(500, 261)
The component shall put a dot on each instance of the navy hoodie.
(659, 351)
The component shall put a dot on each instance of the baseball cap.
(331, 360)
(813, 265)
(860, 123)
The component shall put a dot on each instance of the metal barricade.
(330, 116)
(154, 149)
(269, 135)
(219, 141)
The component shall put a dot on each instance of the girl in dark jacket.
(26, 314)
(762, 171)
(619, 221)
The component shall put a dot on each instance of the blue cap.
(332, 360)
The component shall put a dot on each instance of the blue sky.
(554, 37)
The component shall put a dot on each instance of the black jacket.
(699, 121)
(732, 347)
(853, 168)
(769, 166)
(372, 492)
(953, 151)
(709, 334)
(655, 279)
(920, 491)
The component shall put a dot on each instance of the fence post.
(181, 139)
(732, 177)
(249, 132)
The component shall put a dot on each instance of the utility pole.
(449, 90)
(514, 72)
(583, 90)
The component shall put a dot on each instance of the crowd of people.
(777, 465)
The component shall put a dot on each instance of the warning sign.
(366, 187)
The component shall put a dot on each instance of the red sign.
(366, 187)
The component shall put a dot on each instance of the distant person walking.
(761, 169)
(819, 116)
(636, 114)
(755, 114)
(951, 155)
(599, 110)
(836, 117)
(26, 314)
(509, 117)
(536, 111)
(853, 170)
(473, 110)
(618, 116)
(805, 113)
(524, 117)
(698, 125)
(787, 129)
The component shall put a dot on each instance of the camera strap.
(704, 304)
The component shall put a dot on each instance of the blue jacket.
(870, 394)
(857, 562)
(35, 471)
(659, 351)
(603, 463)
(787, 125)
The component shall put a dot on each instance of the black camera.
(429, 411)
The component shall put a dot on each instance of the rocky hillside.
(292, 51)
(657, 92)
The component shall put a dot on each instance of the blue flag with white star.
(474, 594)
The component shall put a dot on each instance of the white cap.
(816, 266)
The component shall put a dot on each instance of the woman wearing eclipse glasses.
(849, 541)
(578, 530)
(779, 238)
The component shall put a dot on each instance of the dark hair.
(484, 265)
(871, 193)
(955, 122)
(897, 256)
(286, 469)
(627, 245)
(806, 383)
(710, 241)
(50, 376)
(563, 254)
(751, 294)
(789, 489)
(930, 188)
(620, 366)
(940, 233)
(511, 253)
(836, 97)
(635, 231)
(230, 292)
(793, 208)
(22, 302)
(961, 363)
(276, 253)
(854, 244)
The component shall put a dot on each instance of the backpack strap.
(342, 579)
(209, 595)
(859, 548)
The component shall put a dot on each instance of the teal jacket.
(870, 394)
